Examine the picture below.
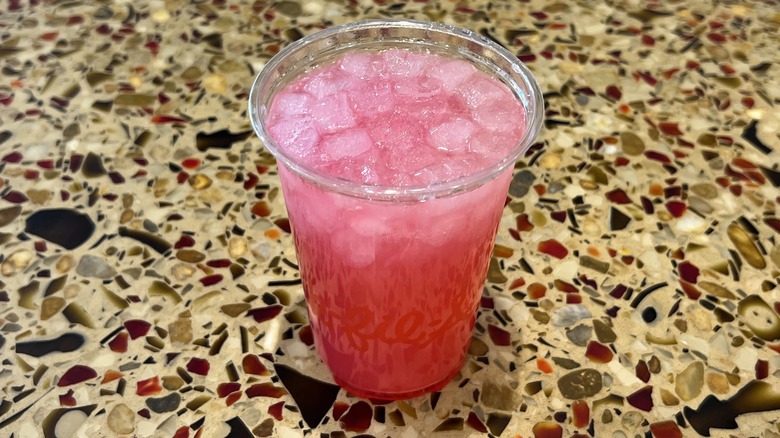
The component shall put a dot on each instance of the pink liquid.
(393, 287)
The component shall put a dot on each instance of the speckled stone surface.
(149, 285)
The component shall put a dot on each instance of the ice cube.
(290, 103)
(326, 82)
(361, 64)
(490, 144)
(359, 252)
(451, 73)
(451, 136)
(333, 114)
(503, 114)
(400, 63)
(296, 135)
(346, 144)
(417, 90)
(397, 131)
(479, 91)
(372, 99)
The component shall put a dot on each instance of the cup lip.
(465, 183)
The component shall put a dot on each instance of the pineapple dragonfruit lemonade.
(395, 143)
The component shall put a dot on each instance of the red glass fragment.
(523, 223)
(673, 192)
(553, 248)
(475, 423)
(76, 374)
(49, 36)
(119, 343)
(486, 303)
(75, 19)
(618, 291)
(762, 369)
(520, 282)
(67, 399)
(499, 336)
(219, 263)
(642, 399)
(357, 418)
(159, 118)
(211, 280)
(536, 290)
(618, 196)
(150, 386)
(558, 216)
(225, 389)
(14, 157)
(547, 429)
(736, 189)
(275, 410)
(252, 365)
(773, 223)
(748, 102)
(647, 78)
(137, 328)
(191, 163)
(543, 366)
(580, 414)
(145, 413)
(573, 298)
(265, 390)
(658, 156)
(648, 40)
(665, 429)
(565, 286)
(110, 376)
(716, 37)
(688, 271)
(598, 352)
(642, 371)
(690, 290)
(338, 409)
(182, 177)
(185, 241)
(262, 314)
(182, 432)
(676, 208)
(232, 398)
(306, 335)
(251, 181)
(15, 197)
(198, 366)
(261, 209)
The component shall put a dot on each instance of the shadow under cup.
(393, 275)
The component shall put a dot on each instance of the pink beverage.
(396, 159)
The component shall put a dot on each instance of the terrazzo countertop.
(149, 285)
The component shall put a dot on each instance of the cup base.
(390, 396)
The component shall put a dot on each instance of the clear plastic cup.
(393, 274)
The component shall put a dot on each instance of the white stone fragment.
(69, 423)
(271, 339)
(286, 432)
(694, 343)
(691, 224)
(623, 375)
(566, 270)
(745, 358)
